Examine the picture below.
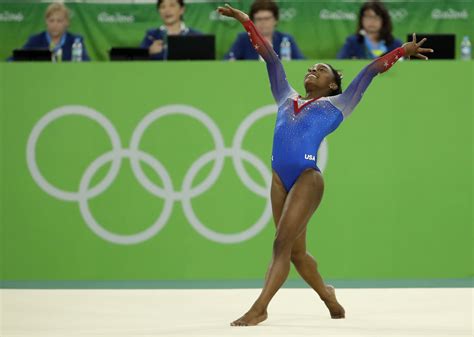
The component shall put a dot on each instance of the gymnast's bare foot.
(252, 317)
(335, 309)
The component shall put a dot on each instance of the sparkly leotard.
(301, 127)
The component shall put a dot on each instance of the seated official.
(171, 12)
(264, 14)
(56, 38)
(374, 34)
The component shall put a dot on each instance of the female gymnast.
(297, 184)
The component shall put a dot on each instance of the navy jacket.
(355, 48)
(242, 48)
(158, 34)
(40, 41)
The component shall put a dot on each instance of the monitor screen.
(32, 55)
(444, 45)
(191, 47)
(128, 54)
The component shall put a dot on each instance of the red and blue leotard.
(300, 129)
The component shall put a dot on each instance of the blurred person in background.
(373, 37)
(265, 15)
(56, 38)
(171, 13)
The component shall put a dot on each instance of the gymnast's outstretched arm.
(281, 89)
(347, 101)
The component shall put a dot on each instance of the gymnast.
(297, 184)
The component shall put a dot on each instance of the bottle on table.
(466, 49)
(285, 49)
(77, 50)
(165, 44)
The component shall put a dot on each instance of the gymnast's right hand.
(233, 13)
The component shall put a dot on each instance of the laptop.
(128, 54)
(444, 45)
(191, 47)
(32, 55)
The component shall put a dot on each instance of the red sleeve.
(347, 101)
(385, 62)
(260, 44)
(281, 89)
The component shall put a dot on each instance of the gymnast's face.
(320, 76)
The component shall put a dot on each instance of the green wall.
(398, 201)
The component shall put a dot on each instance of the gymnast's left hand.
(227, 10)
(414, 49)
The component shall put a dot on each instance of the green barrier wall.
(398, 201)
(320, 27)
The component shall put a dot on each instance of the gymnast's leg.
(304, 263)
(307, 267)
(300, 203)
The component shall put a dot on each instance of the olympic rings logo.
(398, 14)
(167, 192)
(287, 14)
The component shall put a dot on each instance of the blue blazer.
(355, 48)
(157, 34)
(40, 41)
(243, 50)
